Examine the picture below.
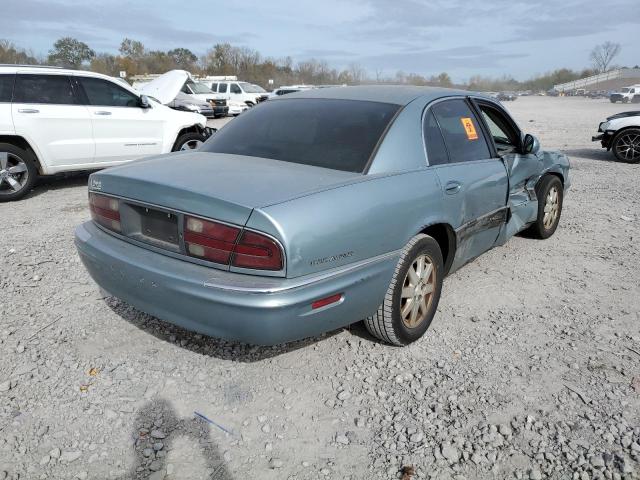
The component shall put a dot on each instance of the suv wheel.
(188, 141)
(17, 172)
(626, 145)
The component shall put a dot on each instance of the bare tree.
(602, 55)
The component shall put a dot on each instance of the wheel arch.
(190, 129)
(445, 235)
(23, 143)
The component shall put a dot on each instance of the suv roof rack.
(30, 66)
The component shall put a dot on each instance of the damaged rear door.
(523, 170)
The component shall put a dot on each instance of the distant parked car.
(621, 133)
(189, 103)
(357, 208)
(507, 96)
(626, 95)
(55, 120)
(171, 89)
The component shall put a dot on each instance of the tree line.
(248, 64)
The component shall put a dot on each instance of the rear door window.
(329, 133)
(44, 89)
(436, 149)
(104, 93)
(6, 87)
(461, 130)
(223, 88)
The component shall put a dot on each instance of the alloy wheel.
(551, 208)
(628, 146)
(417, 291)
(191, 145)
(14, 173)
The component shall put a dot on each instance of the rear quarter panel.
(352, 223)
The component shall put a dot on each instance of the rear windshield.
(336, 134)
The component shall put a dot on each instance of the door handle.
(28, 110)
(103, 112)
(453, 187)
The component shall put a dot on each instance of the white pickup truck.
(629, 94)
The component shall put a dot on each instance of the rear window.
(6, 87)
(47, 89)
(329, 133)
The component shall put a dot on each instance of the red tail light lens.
(219, 243)
(257, 251)
(209, 240)
(105, 211)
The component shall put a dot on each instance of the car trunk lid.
(212, 185)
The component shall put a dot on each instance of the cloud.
(100, 22)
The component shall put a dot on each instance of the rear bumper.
(251, 309)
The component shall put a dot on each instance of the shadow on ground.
(599, 154)
(157, 423)
(210, 346)
(58, 182)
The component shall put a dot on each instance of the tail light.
(228, 245)
(257, 251)
(209, 240)
(105, 211)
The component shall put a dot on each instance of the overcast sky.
(493, 37)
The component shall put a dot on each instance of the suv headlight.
(603, 126)
(193, 108)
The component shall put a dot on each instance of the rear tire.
(189, 141)
(18, 172)
(413, 295)
(550, 193)
(626, 145)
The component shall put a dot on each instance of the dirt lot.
(530, 370)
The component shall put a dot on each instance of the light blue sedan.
(319, 209)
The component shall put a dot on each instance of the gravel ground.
(531, 368)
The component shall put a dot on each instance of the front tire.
(188, 142)
(18, 172)
(626, 145)
(550, 193)
(413, 295)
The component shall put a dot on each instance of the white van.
(240, 95)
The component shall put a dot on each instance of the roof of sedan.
(397, 94)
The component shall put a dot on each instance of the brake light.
(105, 211)
(209, 240)
(257, 251)
(219, 243)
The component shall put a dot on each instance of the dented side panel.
(524, 173)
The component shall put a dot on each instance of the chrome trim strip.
(279, 285)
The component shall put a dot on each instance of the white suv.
(240, 95)
(55, 120)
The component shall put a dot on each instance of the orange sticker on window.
(469, 128)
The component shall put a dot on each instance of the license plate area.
(150, 225)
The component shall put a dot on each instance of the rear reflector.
(105, 211)
(323, 302)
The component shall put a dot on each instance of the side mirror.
(144, 102)
(530, 145)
